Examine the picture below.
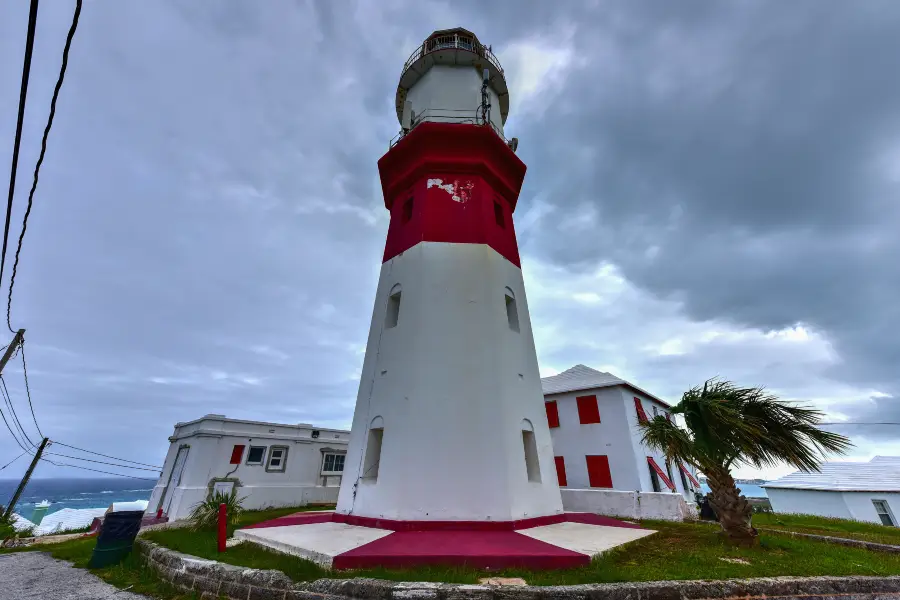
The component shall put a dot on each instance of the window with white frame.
(884, 513)
(277, 459)
(255, 455)
(333, 463)
(655, 411)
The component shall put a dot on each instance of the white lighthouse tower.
(450, 424)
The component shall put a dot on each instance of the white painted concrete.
(617, 436)
(450, 94)
(583, 538)
(837, 504)
(452, 384)
(208, 443)
(318, 542)
(628, 505)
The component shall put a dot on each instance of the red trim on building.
(560, 462)
(588, 410)
(236, 454)
(661, 474)
(451, 183)
(641, 415)
(552, 413)
(688, 473)
(598, 471)
(393, 525)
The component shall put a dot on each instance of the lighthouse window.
(393, 308)
(498, 214)
(532, 466)
(408, 210)
(277, 459)
(512, 314)
(373, 454)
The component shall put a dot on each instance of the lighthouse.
(450, 423)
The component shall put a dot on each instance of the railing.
(457, 42)
(438, 115)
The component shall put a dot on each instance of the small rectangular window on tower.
(532, 466)
(393, 311)
(408, 210)
(512, 314)
(373, 455)
(498, 214)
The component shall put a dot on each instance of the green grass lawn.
(856, 530)
(677, 551)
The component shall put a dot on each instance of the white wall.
(211, 441)
(841, 505)
(628, 505)
(573, 441)
(452, 383)
(445, 90)
(617, 436)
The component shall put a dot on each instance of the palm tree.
(728, 425)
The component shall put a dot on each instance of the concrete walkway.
(28, 575)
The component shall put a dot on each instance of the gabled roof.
(881, 474)
(581, 377)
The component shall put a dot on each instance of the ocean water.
(74, 493)
(748, 489)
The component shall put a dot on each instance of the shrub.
(205, 515)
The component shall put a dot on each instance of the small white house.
(269, 463)
(863, 491)
(593, 418)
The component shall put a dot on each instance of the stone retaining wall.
(213, 579)
(873, 546)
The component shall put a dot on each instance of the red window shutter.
(560, 470)
(552, 413)
(691, 477)
(236, 453)
(642, 416)
(598, 471)
(660, 474)
(588, 411)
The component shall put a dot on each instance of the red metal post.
(223, 530)
(159, 514)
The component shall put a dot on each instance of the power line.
(102, 462)
(96, 470)
(27, 389)
(37, 167)
(14, 460)
(107, 455)
(23, 94)
(21, 445)
(12, 410)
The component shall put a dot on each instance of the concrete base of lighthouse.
(558, 542)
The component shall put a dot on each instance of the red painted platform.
(477, 549)
(480, 545)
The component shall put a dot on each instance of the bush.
(205, 515)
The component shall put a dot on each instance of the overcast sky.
(712, 190)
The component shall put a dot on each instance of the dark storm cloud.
(745, 160)
(207, 231)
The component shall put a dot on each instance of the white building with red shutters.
(593, 418)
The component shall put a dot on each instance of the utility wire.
(22, 446)
(58, 464)
(12, 410)
(23, 94)
(37, 167)
(107, 455)
(856, 423)
(14, 460)
(102, 462)
(27, 389)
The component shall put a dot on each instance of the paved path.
(28, 575)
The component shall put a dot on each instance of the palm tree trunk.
(734, 511)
